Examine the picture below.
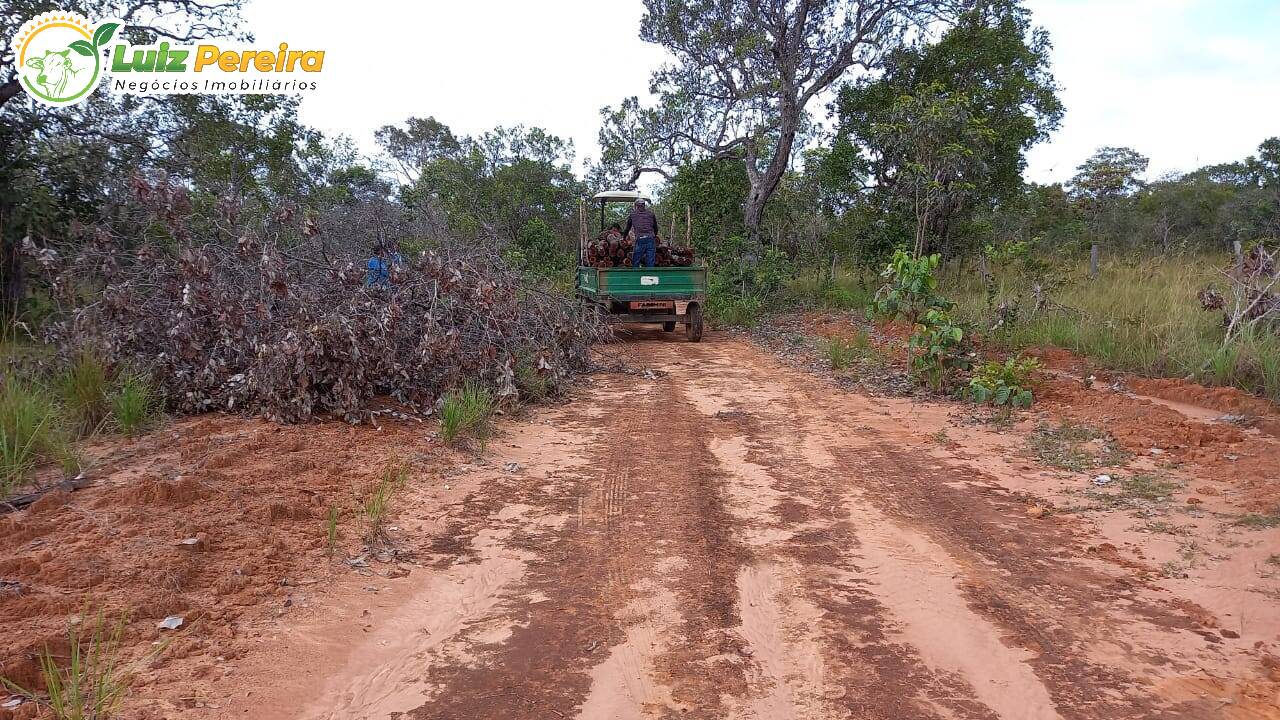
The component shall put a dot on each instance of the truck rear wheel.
(693, 328)
(669, 326)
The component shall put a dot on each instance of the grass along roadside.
(93, 678)
(1140, 316)
(374, 505)
(42, 417)
(465, 411)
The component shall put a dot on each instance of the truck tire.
(669, 326)
(693, 328)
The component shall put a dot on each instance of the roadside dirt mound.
(208, 519)
(1263, 414)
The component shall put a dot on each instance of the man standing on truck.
(645, 223)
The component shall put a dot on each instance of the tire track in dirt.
(953, 623)
(639, 585)
(735, 540)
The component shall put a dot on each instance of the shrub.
(937, 348)
(133, 404)
(910, 290)
(465, 410)
(1005, 383)
(726, 309)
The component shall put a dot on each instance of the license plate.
(650, 305)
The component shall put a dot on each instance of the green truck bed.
(636, 284)
(664, 295)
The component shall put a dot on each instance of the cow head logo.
(59, 56)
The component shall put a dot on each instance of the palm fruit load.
(612, 249)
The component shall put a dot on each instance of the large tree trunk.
(763, 184)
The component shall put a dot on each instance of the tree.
(940, 145)
(1104, 186)
(744, 74)
(990, 71)
(1109, 174)
(420, 142)
(490, 187)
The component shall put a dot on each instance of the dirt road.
(715, 534)
(726, 537)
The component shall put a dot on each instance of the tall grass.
(86, 393)
(465, 411)
(842, 352)
(133, 404)
(375, 504)
(1140, 315)
(93, 682)
(843, 288)
(31, 431)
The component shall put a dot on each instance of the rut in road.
(734, 538)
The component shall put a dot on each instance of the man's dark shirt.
(644, 222)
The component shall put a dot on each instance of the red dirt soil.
(253, 495)
(787, 550)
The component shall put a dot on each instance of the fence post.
(1238, 250)
(1093, 260)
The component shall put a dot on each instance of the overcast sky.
(1185, 82)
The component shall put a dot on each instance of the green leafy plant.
(937, 348)
(465, 410)
(911, 288)
(1005, 383)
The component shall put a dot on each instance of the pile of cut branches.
(271, 318)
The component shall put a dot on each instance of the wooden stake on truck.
(660, 295)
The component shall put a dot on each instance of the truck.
(664, 296)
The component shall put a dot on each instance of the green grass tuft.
(31, 431)
(133, 405)
(1259, 521)
(842, 352)
(85, 393)
(465, 411)
(375, 504)
(93, 682)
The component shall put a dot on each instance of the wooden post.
(1238, 250)
(688, 227)
(671, 238)
(1093, 260)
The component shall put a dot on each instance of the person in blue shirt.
(378, 272)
